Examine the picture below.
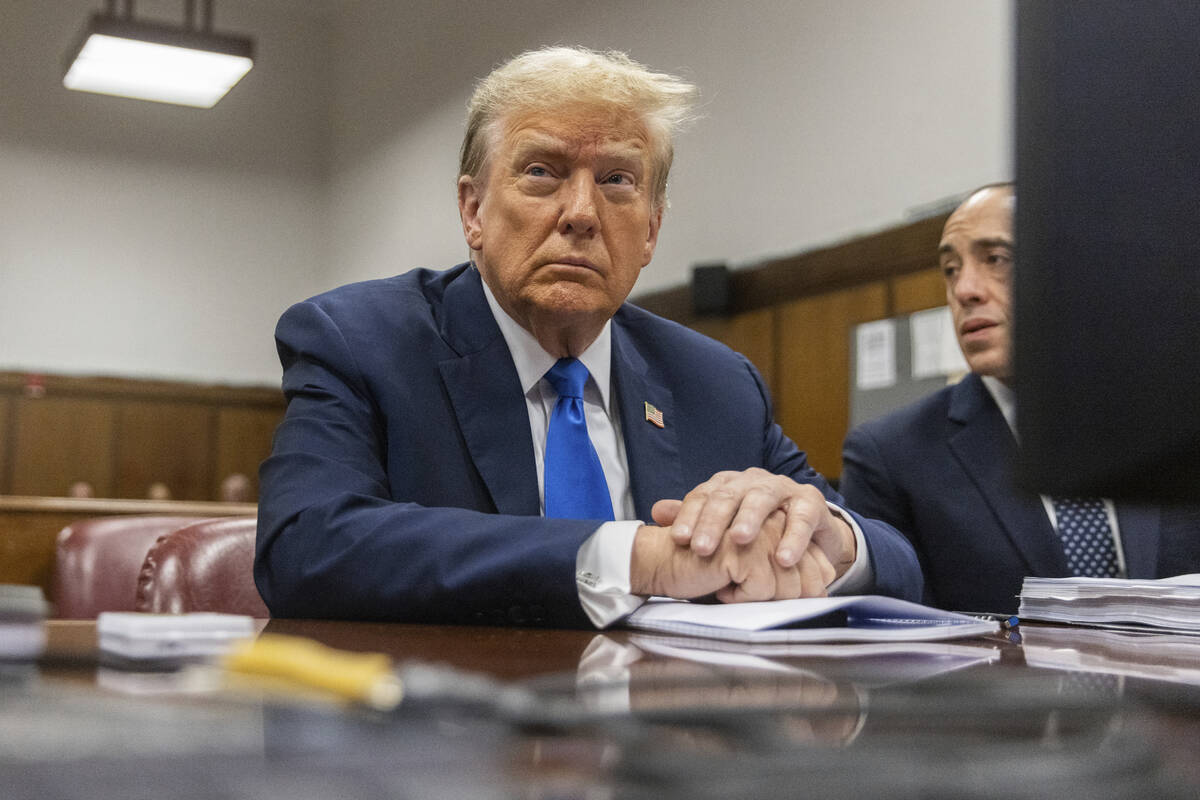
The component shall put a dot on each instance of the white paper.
(134, 635)
(935, 350)
(1163, 604)
(871, 618)
(876, 349)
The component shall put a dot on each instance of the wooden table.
(600, 715)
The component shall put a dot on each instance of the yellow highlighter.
(366, 678)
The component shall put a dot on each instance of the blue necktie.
(575, 485)
(1086, 536)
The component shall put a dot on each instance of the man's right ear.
(469, 200)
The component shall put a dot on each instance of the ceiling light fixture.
(189, 65)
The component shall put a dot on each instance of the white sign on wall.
(876, 348)
(934, 347)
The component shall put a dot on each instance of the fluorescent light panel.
(154, 62)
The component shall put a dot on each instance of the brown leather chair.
(97, 562)
(205, 566)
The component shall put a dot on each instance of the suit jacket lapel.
(985, 447)
(655, 471)
(487, 398)
(1139, 530)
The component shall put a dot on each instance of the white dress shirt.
(602, 565)
(1006, 400)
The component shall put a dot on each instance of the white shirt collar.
(532, 361)
(1003, 394)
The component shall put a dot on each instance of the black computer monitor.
(1107, 288)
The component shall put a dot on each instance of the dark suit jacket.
(402, 483)
(941, 470)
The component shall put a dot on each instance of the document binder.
(855, 618)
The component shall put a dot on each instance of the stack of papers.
(128, 636)
(1168, 604)
(856, 618)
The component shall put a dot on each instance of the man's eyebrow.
(990, 241)
(539, 144)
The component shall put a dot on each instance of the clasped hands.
(742, 536)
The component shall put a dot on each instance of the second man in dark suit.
(941, 470)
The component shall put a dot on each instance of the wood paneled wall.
(917, 292)
(752, 334)
(122, 435)
(793, 318)
(812, 362)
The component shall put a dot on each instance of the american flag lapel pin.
(654, 416)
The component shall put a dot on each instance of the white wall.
(822, 118)
(132, 268)
(150, 240)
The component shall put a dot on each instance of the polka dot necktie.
(575, 487)
(1086, 537)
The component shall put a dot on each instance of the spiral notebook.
(854, 618)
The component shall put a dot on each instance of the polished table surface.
(504, 653)
(575, 714)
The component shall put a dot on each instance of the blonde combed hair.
(554, 77)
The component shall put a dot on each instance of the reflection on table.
(565, 714)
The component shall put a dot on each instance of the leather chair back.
(97, 562)
(205, 566)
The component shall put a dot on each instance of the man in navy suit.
(408, 480)
(941, 470)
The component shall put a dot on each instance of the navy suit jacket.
(402, 483)
(941, 470)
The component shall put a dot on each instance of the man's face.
(976, 257)
(564, 220)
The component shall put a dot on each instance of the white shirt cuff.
(602, 573)
(861, 575)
